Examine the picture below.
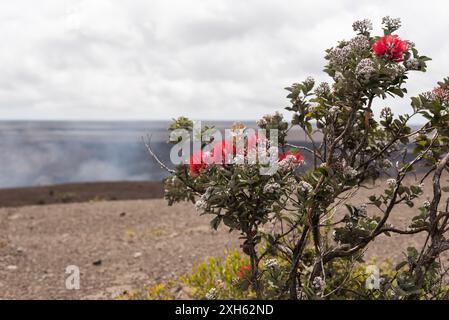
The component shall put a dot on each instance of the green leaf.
(215, 222)
(397, 91)
(309, 127)
(400, 265)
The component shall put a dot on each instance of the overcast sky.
(206, 59)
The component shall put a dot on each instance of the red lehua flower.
(298, 156)
(390, 46)
(442, 94)
(196, 162)
(254, 140)
(242, 271)
(221, 151)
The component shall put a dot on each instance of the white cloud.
(105, 59)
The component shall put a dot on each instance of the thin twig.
(153, 154)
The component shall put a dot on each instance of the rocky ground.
(117, 245)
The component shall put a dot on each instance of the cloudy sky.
(206, 59)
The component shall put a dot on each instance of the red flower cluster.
(391, 47)
(222, 150)
(196, 162)
(242, 271)
(298, 156)
(442, 94)
(218, 154)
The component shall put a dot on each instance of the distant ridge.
(80, 192)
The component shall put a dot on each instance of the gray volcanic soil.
(117, 245)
